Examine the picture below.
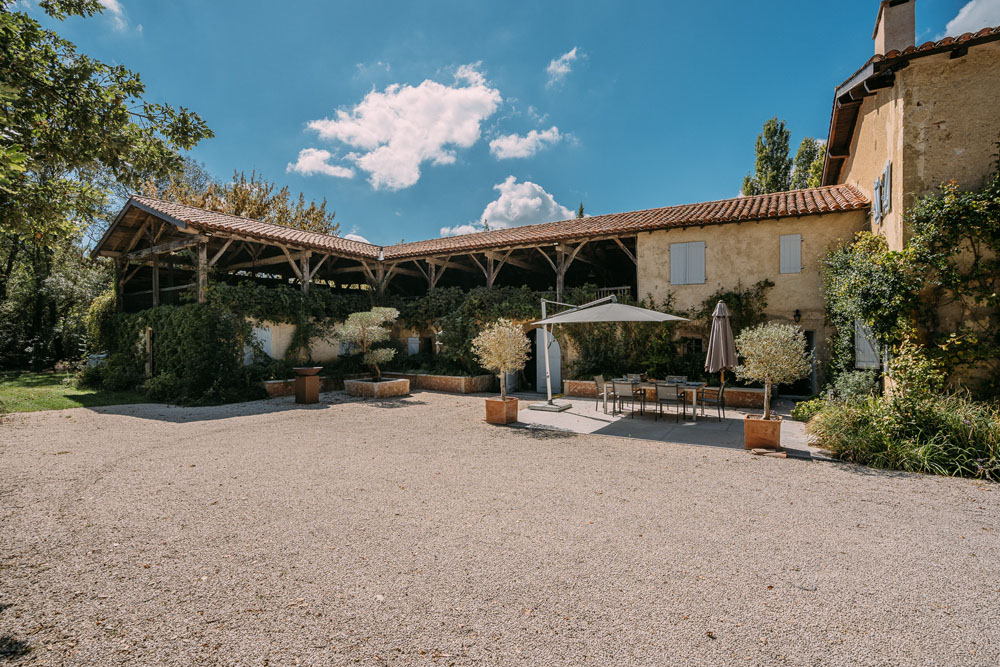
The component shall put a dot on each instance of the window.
(791, 253)
(693, 346)
(412, 346)
(865, 347)
(882, 194)
(687, 263)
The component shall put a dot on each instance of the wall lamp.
(797, 316)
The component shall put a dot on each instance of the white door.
(555, 363)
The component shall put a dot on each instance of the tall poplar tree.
(808, 162)
(772, 167)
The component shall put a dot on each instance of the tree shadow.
(11, 648)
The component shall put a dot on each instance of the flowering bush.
(772, 354)
(502, 348)
(364, 330)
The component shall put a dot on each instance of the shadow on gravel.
(11, 648)
(391, 403)
(176, 414)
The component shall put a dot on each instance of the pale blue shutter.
(790, 246)
(678, 263)
(412, 346)
(865, 347)
(886, 189)
(877, 201)
(696, 263)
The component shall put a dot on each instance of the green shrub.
(120, 372)
(101, 321)
(163, 387)
(853, 384)
(805, 410)
(92, 376)
(944, 435)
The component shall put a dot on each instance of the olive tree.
(502, 348)
(772, 354)
(364, 330)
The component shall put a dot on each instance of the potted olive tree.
(364, 330)
(772, 354)
(502, 348)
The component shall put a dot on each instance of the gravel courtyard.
(412, 532)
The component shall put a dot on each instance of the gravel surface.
(412, 532)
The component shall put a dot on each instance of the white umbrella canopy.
(611, 312)
(721, 348)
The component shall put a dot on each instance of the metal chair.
(714, 396)
(624, 391)
(670, 393)
(676, 379)
(634, 377)
(604, 391)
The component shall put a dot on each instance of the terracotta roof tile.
(781, 204)
(212, 221)
(778, 205)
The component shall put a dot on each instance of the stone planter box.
(387, 388)
(736, 397)
(454, 384)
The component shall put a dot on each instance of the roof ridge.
(254, 220)
(741, 198)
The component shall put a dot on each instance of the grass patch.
(24, 391)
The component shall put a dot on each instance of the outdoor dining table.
(690, 388)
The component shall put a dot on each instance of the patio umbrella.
(610, 312)
(721, 349)
(593, 312)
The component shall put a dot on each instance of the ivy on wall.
(943, 286)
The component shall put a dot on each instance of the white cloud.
(114, 9)
(395, 131)
(519, 204)
(356, 237)
(316, 161)
(973, 17)
(514, 145)
(559, 67)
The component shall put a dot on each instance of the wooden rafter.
(164, 248)
(627, 252)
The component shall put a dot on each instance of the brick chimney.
(896, 26)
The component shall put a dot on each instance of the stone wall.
(747, 253)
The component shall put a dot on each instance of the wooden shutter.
(877, 201)
(865, 347)
(678, 263)
(696, 263)
(886, 189)
(790, 246)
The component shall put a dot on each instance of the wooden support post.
(202, 272)
(120, 266)
(156, 280)
(305, 275)
(564, 259)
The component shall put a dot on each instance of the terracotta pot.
(501, 410)
(762, 433)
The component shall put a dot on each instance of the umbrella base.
(550, 407)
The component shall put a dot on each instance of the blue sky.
(411, 117)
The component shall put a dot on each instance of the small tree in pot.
(772, 354)
(364, 330)
(502, 348)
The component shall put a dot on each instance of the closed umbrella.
(721, 348)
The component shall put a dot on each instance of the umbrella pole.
(548, 376)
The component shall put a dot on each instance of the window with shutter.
(886, 189)
(687, 263)
(877, 201)
(865, 347)
(790, 246)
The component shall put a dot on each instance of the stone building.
(910, 118)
